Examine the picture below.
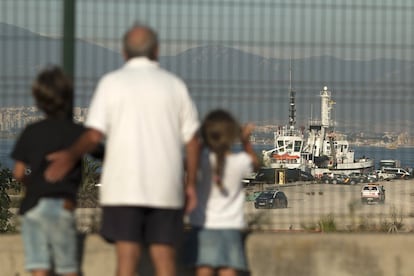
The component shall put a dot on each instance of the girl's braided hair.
(219, 132)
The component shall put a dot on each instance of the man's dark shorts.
(142, 225)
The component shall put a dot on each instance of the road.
(312, 205)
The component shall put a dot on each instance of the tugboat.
(323, 151)
(328, 150)
(288, 140)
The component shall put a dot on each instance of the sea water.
(405, 155)
(6, 146)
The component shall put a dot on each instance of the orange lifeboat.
(285, 156)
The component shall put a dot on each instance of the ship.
(289, 141)
(327, 150)
(321, 150)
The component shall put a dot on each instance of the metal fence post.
(68, 45)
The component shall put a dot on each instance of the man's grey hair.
(145, 47)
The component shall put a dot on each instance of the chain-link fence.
(266, 61)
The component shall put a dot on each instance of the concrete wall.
(269, 254)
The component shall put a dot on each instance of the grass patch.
(327, 223)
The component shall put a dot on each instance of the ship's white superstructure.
(288, 147)
(288, 140)
(327, 149)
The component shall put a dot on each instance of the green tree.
(7, 184)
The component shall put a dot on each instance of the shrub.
(7, 183)
(88, 191)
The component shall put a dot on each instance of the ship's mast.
(292, 105)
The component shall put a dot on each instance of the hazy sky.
(349, 29)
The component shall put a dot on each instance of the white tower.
(326, 106)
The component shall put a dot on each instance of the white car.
(385, 175)
(372, 193)
(399, 173)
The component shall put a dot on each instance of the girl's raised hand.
(247, 130)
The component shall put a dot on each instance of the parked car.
(325, 178)
(372, 193)
(335, 179)
(372, 177)
(399, 172)
(387, 176)
(357, 177)
(271, 199)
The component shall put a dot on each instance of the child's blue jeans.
(49, 236)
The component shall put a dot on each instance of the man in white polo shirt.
(145, 115)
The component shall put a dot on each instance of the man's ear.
(155, 54)
(124, 55)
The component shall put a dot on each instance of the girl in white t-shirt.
(215, 243)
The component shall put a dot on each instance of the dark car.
(357, 177)
(335, 179)
(271, 199)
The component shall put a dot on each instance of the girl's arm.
(247, 146)
(19, 171)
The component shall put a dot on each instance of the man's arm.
(192, 159)
(61, 162)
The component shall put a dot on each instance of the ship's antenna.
(311, 112)
(292, 105)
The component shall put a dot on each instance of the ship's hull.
(361, 166)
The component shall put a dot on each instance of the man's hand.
(61, 162)
(190, 198)
(193, 148)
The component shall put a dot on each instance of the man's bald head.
(140, 41)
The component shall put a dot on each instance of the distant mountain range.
(369, 93)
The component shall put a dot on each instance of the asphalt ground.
(316, 207)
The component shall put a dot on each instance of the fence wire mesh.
(244, 56)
